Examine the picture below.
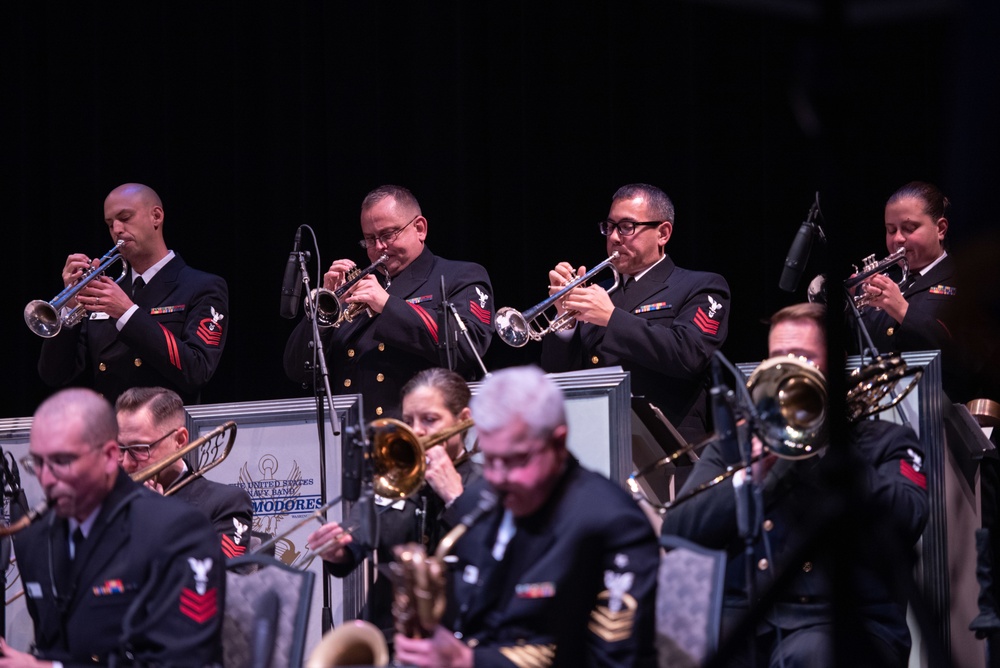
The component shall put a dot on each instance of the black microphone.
(798, 256)
(723, 420)
(291, 287)
(264, 634)
(352, 461)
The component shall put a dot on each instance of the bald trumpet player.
(434, 400)
(375, 355)
(662, 325)
(151, 428)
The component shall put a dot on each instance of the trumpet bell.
(791, 398)
(42, 319)
(511, 327)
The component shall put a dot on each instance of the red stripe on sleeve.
(912, 474)
(171, 342)
(429, 322)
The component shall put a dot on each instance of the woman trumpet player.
(433, 400)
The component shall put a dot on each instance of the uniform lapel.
(414, 276)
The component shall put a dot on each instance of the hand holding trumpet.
(591, 302)
(100, 295)
(885, 294)
(330, 543)
(367, 290)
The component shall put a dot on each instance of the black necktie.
(78, 539)
(629, 283)
(137, 286)
(908, 282)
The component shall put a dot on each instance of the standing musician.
(662, 325)
(150, 429)
(800, 498)
(433, 400)
(563, 571)
(113, 574)
(164, 325)
(375, 355)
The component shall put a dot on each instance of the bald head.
(137, 192)
(134, 214)
(86, 412)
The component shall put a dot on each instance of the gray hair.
(524, 392)
(91, 411)
(657, 202)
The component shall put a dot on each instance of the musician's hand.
(103, 295)
(443, 650)
(593, 304)
(330, 541)
(369, 291)
(441, 474)
(155, 486)
(885, 294)
(11, 658)
(336, 275)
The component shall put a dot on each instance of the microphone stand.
(321, 373)
(447, 306)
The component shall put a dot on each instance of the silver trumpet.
(46, 318)
(869, 268)
(330, 311)
(516, 328)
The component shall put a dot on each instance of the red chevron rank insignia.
(230, 549)
(210, 329)
(483, 315)
(705, 323)
(199, 607)
(910, 472)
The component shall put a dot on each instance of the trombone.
(330, 311)
(215, 454)
(400, 467)
(45, 318)
(516, 328)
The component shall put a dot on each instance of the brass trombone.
(45, 318)
(516, 328)
(214, 455)
(330, 311)
(399, 461)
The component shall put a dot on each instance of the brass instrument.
(330, 311)
(216, 454)
(399, 463)
(516, 328)
(790, 398)
(45, 318)
(354, 643)
(25, 520)
(869, 268)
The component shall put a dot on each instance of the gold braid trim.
(530, 656)
(613, 626)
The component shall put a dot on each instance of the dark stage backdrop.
(512, 122)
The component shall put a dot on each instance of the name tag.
(97, 315)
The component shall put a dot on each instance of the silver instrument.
(516, 328)
(869, 268)
(330, 311)
(46, 318)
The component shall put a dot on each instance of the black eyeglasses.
(625, 227)
(140, 451)
(386, 238)
(59, 464)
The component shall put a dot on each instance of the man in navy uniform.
(151, 427)
(164, 325)
(375, 355)
(113, 573)
(563, 571)
(662, 325)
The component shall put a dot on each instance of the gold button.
(350, 352)
(381, 347)
(768, 525)
(595, 359)
(137, 362)
(806, 567)
(95, 659)
(102, 366)
(347, 382)
(380, 378)
(762, 565)
(890, 331)
(473, 643)
(378, 411)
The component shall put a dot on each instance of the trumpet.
(400, 467)
(330, 311)
(516, 328)
(45, 319)
(214, 455)
(869, 268)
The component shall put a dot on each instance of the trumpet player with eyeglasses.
(402, 329)
(662, 323)
(433, 401)
(151, 428)
(784, 540)
(162, 323)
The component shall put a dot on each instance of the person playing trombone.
(164, 324)
(662, 324)
(151, 428)
(433, 401)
